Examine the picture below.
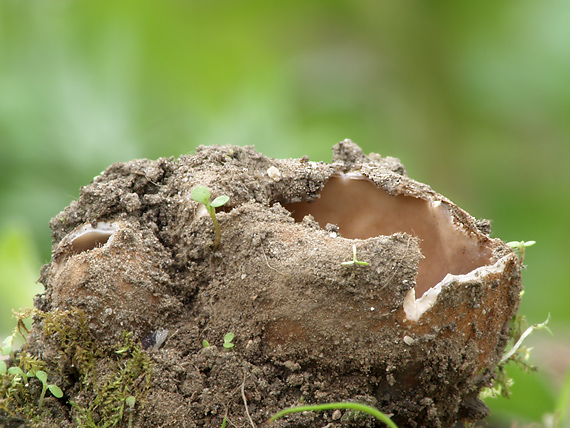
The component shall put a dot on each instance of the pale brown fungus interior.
(88, 237)
(90, 240)
(361, 211)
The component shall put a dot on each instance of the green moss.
(108, 382)
(125, 385)
(20, 391)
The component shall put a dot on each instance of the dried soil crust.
(134, 253)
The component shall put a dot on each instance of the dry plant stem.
(245, 403)
(267, 263)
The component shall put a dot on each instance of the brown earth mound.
(417, 332)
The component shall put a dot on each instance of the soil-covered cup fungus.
(416, 332)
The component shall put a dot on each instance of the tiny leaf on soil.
(55, 390)
(220, 200)
(42, 376)
(201, 194)
(228, 340)
(130, 401)
(16, 371)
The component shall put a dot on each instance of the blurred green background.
(473, 97)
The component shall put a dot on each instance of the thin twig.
(245, 402)
(267, 262)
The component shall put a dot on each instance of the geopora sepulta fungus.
(419, 331)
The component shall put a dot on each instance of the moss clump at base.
(113, 380)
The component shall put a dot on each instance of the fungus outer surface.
(296, 311)
(361, 210)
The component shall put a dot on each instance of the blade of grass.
(528, 331)
(333, 406)
(561, 409)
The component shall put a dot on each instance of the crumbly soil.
(307, 328)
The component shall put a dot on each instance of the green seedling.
(54, 389)
(354, 259)
(6, 348)
(528, 331)
(18, 373)
(205, 344)
(228, 341)
(130, 402)
(201, 194)
(520, 246)
(333, 406)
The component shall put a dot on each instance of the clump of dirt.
(416, 333)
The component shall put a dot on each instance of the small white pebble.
(408, 340)
(333, 235)
(274, 173)
(372, 308)
(243, 276)
(337, 414)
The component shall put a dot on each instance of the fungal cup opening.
(88, 237)
(361, 210)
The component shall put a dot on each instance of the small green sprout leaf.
(201, 194)
(42, 376)
(220, 200)
(130, 401)
(3, 367)
(205, 343)
(6, 350)
(228, 341)
(354, 259)
(18, 372)
(56, 391)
